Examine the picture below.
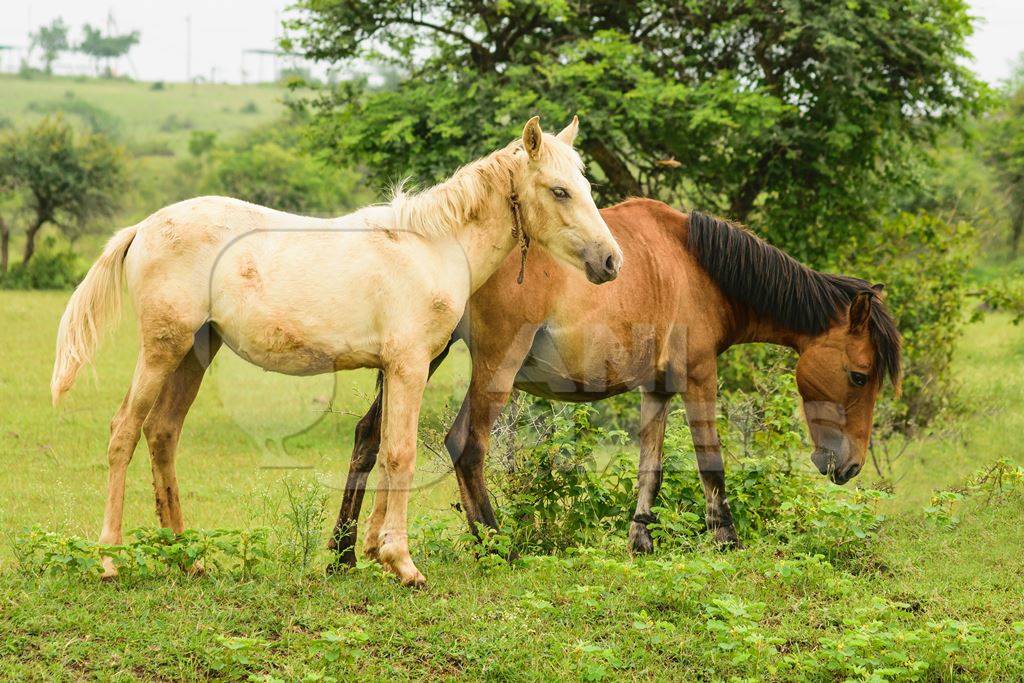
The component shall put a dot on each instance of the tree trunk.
(5, 245)
(30, 241)
(618, 174)
(1017, 228)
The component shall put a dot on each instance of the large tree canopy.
(796, 113)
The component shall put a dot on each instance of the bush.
(50, 268)
(174, 123)
(280, 178)
(151, 552)
(924, 262)
(550, 495)
(150, 148)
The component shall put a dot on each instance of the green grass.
(988, 370)
(593, 615)
(245, 427)
(144, 114)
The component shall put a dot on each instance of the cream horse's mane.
(441, 209)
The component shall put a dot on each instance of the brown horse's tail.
(95, 303)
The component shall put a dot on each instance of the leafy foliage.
(151, 552)
(51, 40)
(552, 495)
(798, 115)
(273, 167)
(50, 268)
(924, 262)
(63, 177)
(1005, 294)
(1004, 142)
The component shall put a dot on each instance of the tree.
(797, 114)
(5, 241)
(52, 40)
(106, 47)
(270, 166)
(1005, 147)
(65, 178)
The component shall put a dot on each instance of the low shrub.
(50, 268)
(150, 552)
(987, 485)
(551, 495)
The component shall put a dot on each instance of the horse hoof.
(396, 560)
(109, 570)
(417, 580)
(727, 539)
(372, 552)
(640, 541)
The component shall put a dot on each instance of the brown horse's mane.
(780, 288)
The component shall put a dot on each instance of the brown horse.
(692, 286)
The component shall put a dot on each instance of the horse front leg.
(364, 456)
(701, 409)
(653, 418)
(404, 382)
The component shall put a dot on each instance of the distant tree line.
(53, 39)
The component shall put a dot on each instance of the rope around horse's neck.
(518, 232)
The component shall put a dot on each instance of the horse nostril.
(609, 263)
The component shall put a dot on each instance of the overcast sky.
(223, 29)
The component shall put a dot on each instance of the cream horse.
(383, 287)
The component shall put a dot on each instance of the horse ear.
(860, 311)
(568, 134)
(532, 137)
(879, 290)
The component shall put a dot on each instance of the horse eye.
(858, 379)
(560, 192)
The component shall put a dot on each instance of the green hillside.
(146, 112)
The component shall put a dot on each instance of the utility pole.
(188, 48)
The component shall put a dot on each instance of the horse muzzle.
(826, 460)
(600, 264)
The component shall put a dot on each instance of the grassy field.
(919, 599)
(923, 600)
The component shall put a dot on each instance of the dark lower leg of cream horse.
(694, 286)
(383, 287)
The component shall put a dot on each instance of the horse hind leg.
(364, 457)
(162, 427)
(157, 361)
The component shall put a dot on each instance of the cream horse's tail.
(94, 304)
